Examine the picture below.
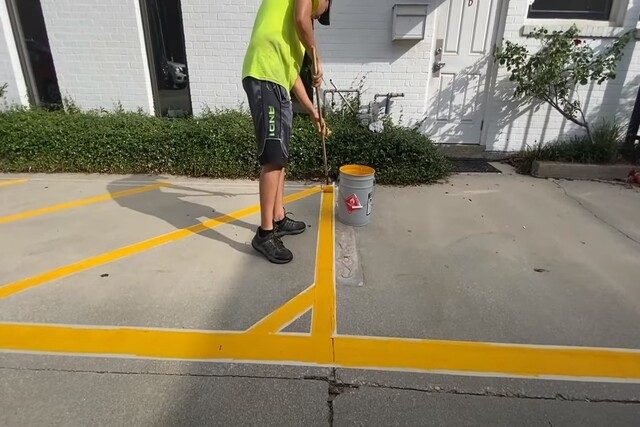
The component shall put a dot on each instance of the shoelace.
(277, 243)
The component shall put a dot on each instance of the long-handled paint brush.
(324, 141)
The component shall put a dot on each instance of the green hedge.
(218, 145)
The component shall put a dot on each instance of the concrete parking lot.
(488, 299)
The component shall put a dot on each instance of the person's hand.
(318, 74)
(321, 125)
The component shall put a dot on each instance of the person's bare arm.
(304, 26)
(301, 94)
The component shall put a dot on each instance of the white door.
(457, 92)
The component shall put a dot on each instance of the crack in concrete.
(490, 393)
(599, 218)
(173, 374)
(337, 387)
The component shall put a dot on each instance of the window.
(571, 9)
(31, 38)
(167, 56)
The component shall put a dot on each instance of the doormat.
(472, 165)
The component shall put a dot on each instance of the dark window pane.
(40, 72)
(166, 48)
(571, 9)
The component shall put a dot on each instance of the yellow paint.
(159, 343)
(353, 352)
(263, 342)
(323, 324)
(357, 170)
(13, 288)
(286, 314)
(486, 358)
(81, 202)
(7, 182)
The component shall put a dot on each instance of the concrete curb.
(580, 171)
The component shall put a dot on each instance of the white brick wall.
(216, 36)
(10, 70)
(358, 43)
(98, 51)
(514, 125)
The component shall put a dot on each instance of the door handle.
(438, 64)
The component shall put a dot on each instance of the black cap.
(324, 19)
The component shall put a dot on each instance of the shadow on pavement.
(169, 205)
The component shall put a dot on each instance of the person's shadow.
(169, 204)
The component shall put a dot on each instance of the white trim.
(589, 30)
(501, 21)
(14, 58)
(145, 60)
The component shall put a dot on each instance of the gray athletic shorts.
(272, 114)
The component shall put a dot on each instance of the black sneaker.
(289, 227)
(272, 247)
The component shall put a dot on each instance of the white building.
(108, 53)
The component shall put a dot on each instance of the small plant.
(604, 146)
(3, 90)
(563, 63)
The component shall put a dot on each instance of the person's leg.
(278, 207)
(271, 187)
(265, 104)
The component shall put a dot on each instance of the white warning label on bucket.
(369, 203)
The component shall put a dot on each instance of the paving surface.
(104, 279)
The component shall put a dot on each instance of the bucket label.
(369, 204)
(353, 203)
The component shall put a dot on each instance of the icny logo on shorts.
(272, 121)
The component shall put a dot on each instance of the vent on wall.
(409, 21)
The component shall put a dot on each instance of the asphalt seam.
(489, 393)
(582, 205)
(160, 374)
(337, 387)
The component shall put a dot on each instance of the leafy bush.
(218, 145)
(605, 147)
(563, 63)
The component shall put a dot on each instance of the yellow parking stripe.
(22, 285)
(286, 314)
(324, 312)
(7, 182)
(159, 343)
(81, 202)
(459, 357)
(487, 358)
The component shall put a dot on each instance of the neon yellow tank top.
(275, 52)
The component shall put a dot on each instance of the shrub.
(605, 147)
(217, 145)
(563, 63)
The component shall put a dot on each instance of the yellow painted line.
(160, 343)
(324, 310)
(491, 359)
(13, 288)
(286, 314)
(7, 182)
(80, 202)
(487, 358)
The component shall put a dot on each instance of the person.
(282, 34)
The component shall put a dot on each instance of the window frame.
(576, 15)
